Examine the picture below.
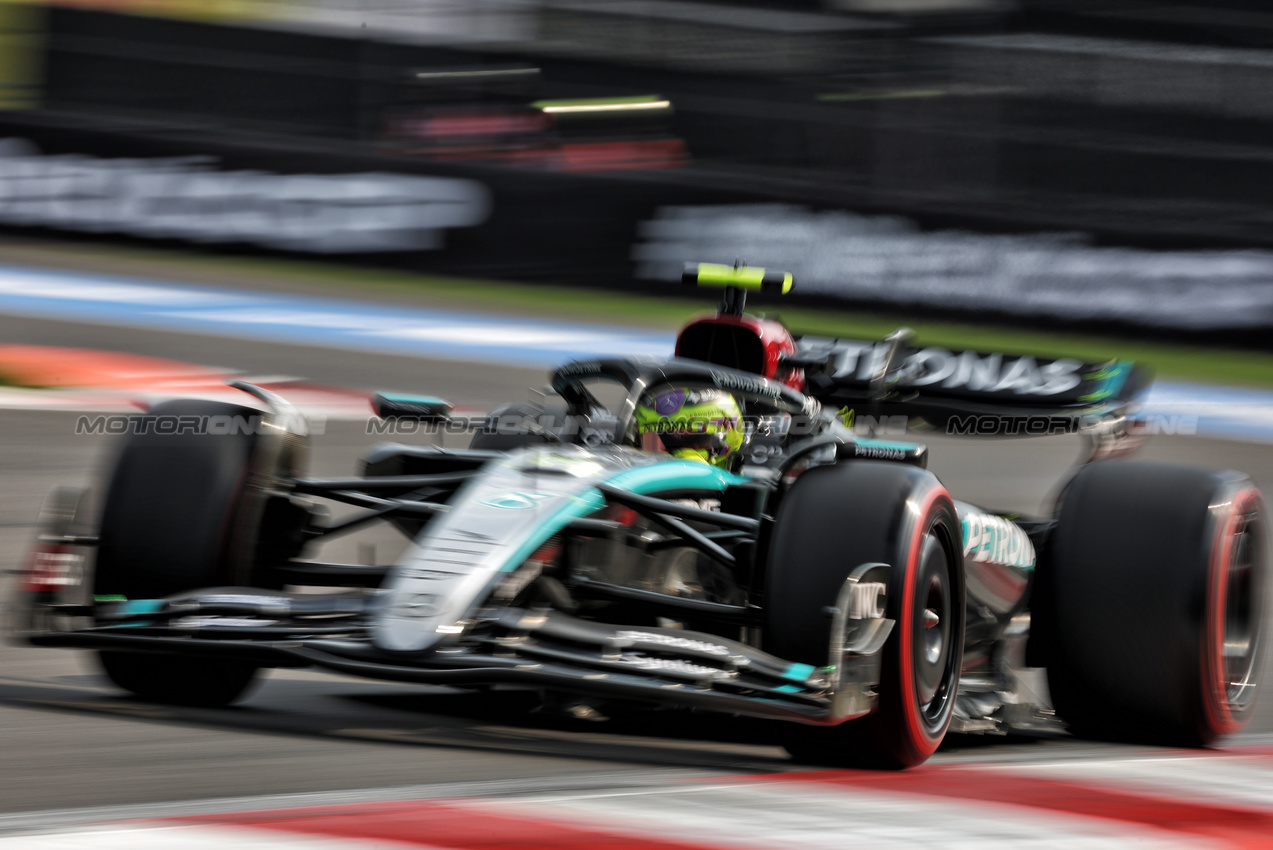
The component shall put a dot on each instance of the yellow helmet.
(693, 424)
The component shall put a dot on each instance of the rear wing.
(969, 392)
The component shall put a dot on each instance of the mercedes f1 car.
(817, 577)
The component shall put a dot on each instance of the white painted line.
(62, 818)
(169, 837)
(1232, 780)
(1147, 801)
(790, 814)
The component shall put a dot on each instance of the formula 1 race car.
(596, 548)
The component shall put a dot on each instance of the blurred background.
(991, 171)
(1023, 158)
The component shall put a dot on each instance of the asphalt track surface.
(68, 740)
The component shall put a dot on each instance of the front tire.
(177, 680)
(833, 519)
(183, 511)
(1153, 595)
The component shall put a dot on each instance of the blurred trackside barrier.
(224, 188)
(1154, 144)
(599, 230)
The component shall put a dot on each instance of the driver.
(703, 424)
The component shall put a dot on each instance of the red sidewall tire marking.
(1218, 714)
(924, 743)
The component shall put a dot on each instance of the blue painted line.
(1233, 413)
(343, 323)
(310, 320)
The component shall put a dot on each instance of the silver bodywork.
(498, 520)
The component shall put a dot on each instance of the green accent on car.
(1112, 376)
(639, 480)
(110, 597)
(744, 277)
(701, 425)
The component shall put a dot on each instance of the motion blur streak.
(1071, 803)
(450, 825)
(895, 262)
(1237, 826)
(1087, 166)
(330, 322)
(1243, 414)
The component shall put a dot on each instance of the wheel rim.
(1241, 614)
(934, 664)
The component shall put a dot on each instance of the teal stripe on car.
(1110, 380)
(799, 672)
(138, 608)
(673, 475)
(640, 480)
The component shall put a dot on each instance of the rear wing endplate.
(939, 384)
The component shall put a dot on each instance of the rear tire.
(182, 511)
(1153, 593)
(833, 519)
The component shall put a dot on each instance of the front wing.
(535, 648)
